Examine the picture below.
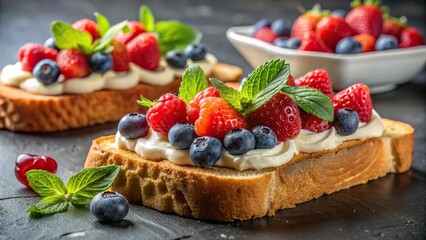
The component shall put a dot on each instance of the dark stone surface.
(392, 207)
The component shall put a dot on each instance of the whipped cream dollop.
(157, 147)
(13, 75)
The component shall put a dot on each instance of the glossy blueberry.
(346, 121)
(196, 52)
(348, 46)
(239, 141)
(281, 27)
(386, 42)
(339, 13)
(176, 59)
(294, 43)
(281, 42)
(264, 136)
(101, 62)
(133, 125)
(50, 43)
(46, 71)
(181, 135)
(205, 151)
(262, 23)
(109, 207)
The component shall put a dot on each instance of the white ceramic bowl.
(381, 71)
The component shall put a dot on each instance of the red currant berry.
(26, 162)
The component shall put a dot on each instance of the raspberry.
(367, 41)
(145, 52)
(120, 57)
(356, 97)
(136, 28)
(73, 63)
(32, 53)
(193, 110)
(317, 79)
(280, 114)
(217, 118)
(167, 112)
(265, 34)
(88, 26)
(312, 123)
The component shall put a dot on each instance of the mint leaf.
(193, 81)
(146, 18)
(102, 43)
(103, 23)
(231, 95)
(175, 35)
(261, 77)
(91, 181)
(49, 205)
(274, 86)
(67, 37)
(145, 102)
(80, 200)
(311, 101)
(45, 183)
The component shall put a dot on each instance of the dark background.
(392, 207)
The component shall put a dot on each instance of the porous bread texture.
(26, 112)
(223, 194)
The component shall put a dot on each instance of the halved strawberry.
(356, 97)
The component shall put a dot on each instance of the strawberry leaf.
(146, 18)
(66, 37)
(103, 23)
(231, 95)
(193, 81)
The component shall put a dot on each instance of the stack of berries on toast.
(268, 109)
(366, 27)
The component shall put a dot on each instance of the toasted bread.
(223, 194)
(26, 112)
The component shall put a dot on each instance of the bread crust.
(26, 112)
(223, 194)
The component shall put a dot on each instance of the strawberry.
(144, 51)
(217, 118)
(306, 22)
(265, 34)
(312, 43)
(367, 41)
(394, 26)
(332, 29)
(73, 63)
(312, 123)
(32, 53)
(290, 80)
(164, 114)
(88, 26)
(193, 110)
(280, 114)
(356, 97)
(410, 37)
(317, 79)
(120, 57)
(136, 28)
(366, 18)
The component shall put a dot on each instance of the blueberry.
(50, 43)
(133, 125)
(386, 42)
(205, 151)
(109, 207)
(264, 136)
(46, 71)
(181, 135)
(101, 62)
(262, 23)
(348, 46)
(294, 43)
(176, 59)
(239, 141)
(281, 42)
(196, 52)
(346, 121)
(339, 13)
(281, 27)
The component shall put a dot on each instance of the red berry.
(317, 79)
(145, 52)
(73, 63)
(193, 110)
(290, 81)
(217, 118)
(135, 27)
(88, 26)
(26, 162)
(332, 29)
(265, 34)
(120, 57)
(312, 43)
(367, 41)
(168, 111)
(356, 97)
(366, 18)
(393, 26)
(32, 53)
(280, 114)
(410, 37)
(312, 123)
(306, 23)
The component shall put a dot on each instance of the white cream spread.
(156, 147)
(91, 83)
(32, 85)
(163, 76)
(121, 80)
(13, 75)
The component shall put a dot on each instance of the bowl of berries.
(365, 45)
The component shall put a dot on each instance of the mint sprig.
(193, 81)
(103, 23)
(81, 188)
(147, 18)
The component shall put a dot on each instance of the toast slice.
(223, 194)
(26, 112)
